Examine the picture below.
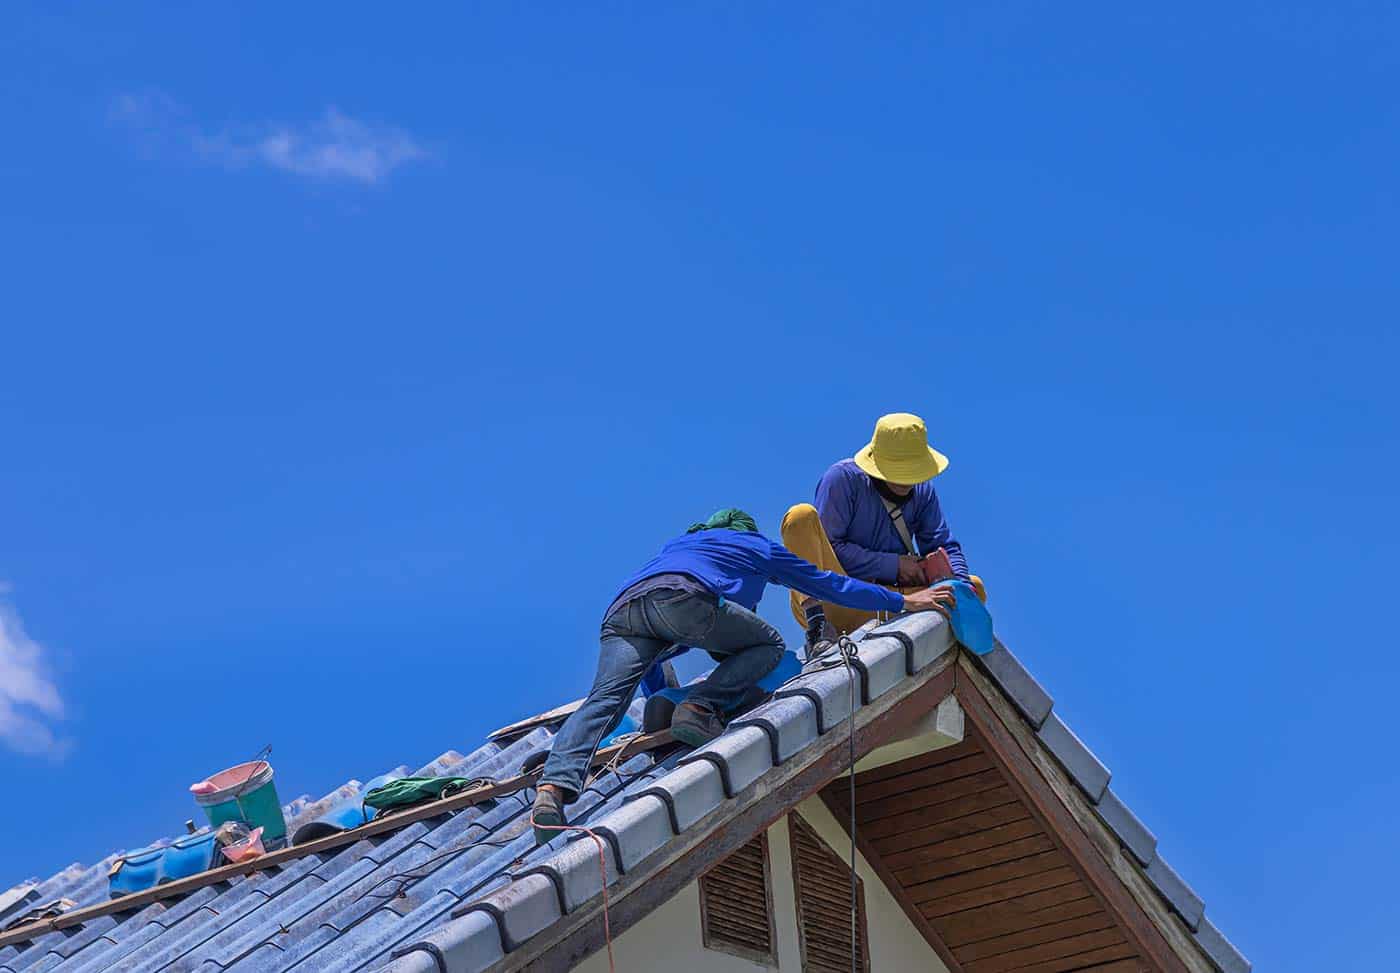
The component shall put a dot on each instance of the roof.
(469, 891)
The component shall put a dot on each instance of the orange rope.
(602, 875)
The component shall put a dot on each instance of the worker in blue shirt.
(702, 590)
(876, 518)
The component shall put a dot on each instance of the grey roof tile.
(445, 765)
(370, 936)
(470, 943)
(828, 688)
(304, 812)
(1078, 760)
(523, 908)
(578, 870)
(425, 958)
(1019, 685)
(140, 929)
(1131, 832)
(14, 900)
(929, 631)
(689, 793)
(54, 951)
(1178, 894)
(637, 828)
(791, 724)
(742, 756)
(388, 930)
(885, 660)
(1221, 951)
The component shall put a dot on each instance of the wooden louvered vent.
(822, 882)
(736, 904)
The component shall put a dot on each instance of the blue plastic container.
(150, 867)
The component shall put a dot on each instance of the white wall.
(669, 938)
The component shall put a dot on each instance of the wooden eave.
(1019, 872)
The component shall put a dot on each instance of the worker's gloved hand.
(911, 572)
(937, 567)
(941, 600)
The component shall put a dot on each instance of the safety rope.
(611, 767)
(602, 875)
(846, 650)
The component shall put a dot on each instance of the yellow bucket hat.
(900, 453)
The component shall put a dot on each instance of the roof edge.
(732, 823)
(1080, 783)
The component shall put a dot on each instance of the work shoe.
(548, 810)
(820, 641)
(695, 725)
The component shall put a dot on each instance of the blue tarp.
(972, 623)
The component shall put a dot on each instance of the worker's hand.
(911, 572)
(941, 600)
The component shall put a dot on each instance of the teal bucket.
(243, 793)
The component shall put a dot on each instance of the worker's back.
(734, 564)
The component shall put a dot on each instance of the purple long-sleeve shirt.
(862, 533)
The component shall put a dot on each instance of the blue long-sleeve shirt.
(737, 565)
(862, 533)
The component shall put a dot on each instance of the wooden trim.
(380, 825)
(797, 823)
(680, 861)
(768, 958)
(1092, 852)
(877, 865)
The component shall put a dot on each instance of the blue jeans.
(636, 635)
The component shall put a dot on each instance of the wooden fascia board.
(729, 826)
(897, 890)
(1065, 813)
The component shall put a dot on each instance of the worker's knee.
(800, 517)
(772, 655)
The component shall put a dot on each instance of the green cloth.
(730, 518)
(407, 791)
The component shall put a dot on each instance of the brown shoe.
(695, 724)
(547, 815)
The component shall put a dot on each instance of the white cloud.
(29, 700)
(334, 147)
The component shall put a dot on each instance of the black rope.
(847, 649)
(844, 655)
(423, 869)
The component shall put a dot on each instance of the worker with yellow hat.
(876, 519)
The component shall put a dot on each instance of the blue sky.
(350, 358)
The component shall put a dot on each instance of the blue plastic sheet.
(627, 725)
(788, 666)
(972, 623)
